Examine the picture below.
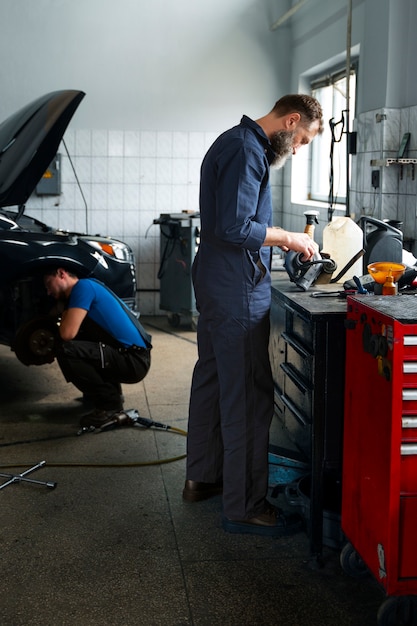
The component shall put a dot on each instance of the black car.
(29, 141)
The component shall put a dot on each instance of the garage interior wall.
(164, 79)
(383, 37)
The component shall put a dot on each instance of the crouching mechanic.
(101, 343)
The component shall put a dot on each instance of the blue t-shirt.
(107, 310)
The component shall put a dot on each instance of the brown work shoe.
(195, 491)
(270, 523)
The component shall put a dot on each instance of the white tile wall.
(128, 178)
(379, 137)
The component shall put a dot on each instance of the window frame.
(322, 146)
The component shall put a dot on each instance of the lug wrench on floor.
(18, 478)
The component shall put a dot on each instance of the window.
(328, 156)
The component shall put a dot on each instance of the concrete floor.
(115, 545)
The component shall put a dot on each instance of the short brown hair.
(308, 107)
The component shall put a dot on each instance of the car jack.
(124, 418)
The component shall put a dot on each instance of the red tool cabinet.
(379, 494)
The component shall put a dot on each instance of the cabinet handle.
(409, 422)
(410, 367)
(408, 449)
(409, 394)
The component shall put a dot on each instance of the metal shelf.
(391, 161)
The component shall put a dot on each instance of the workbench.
(307, 352)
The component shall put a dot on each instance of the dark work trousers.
(231, 403)
(97, 370)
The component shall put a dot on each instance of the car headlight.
(115, 249)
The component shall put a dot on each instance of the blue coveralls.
(231, 403)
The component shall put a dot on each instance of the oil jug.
(342, 240)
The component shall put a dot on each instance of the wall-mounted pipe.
(287, 15)
(348, 46)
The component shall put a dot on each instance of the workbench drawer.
(301, 360)
(298, 425)
(300, 328)
(298, 391)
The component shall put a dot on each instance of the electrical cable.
(78, 184)
(333, 140)
(171, 240)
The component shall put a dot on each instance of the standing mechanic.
(231, 403)
(103, 344)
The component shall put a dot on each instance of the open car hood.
(29, 140)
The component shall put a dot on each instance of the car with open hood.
(29, 141)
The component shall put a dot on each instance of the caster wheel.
(398, 611)
(352, 563)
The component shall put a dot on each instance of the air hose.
(136, 421)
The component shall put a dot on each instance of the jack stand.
(124, 418)
(18, 478)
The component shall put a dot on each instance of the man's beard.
(282, 145)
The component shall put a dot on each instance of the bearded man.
(231, 401)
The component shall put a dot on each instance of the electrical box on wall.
(50, 183)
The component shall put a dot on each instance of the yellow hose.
(135, 464)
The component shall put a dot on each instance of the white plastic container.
(342, 239)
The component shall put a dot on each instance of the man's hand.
(299, 242)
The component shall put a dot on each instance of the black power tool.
(305, 273)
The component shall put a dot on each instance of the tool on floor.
(18, 478)
(128, 418)
(124, 418)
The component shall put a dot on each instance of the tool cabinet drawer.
(409, 377)
(301, 359)
(410, 347)
(408, 469)
(297, 425)
(299, 328)
(298, 391)
(409, 427)
(409, 397)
